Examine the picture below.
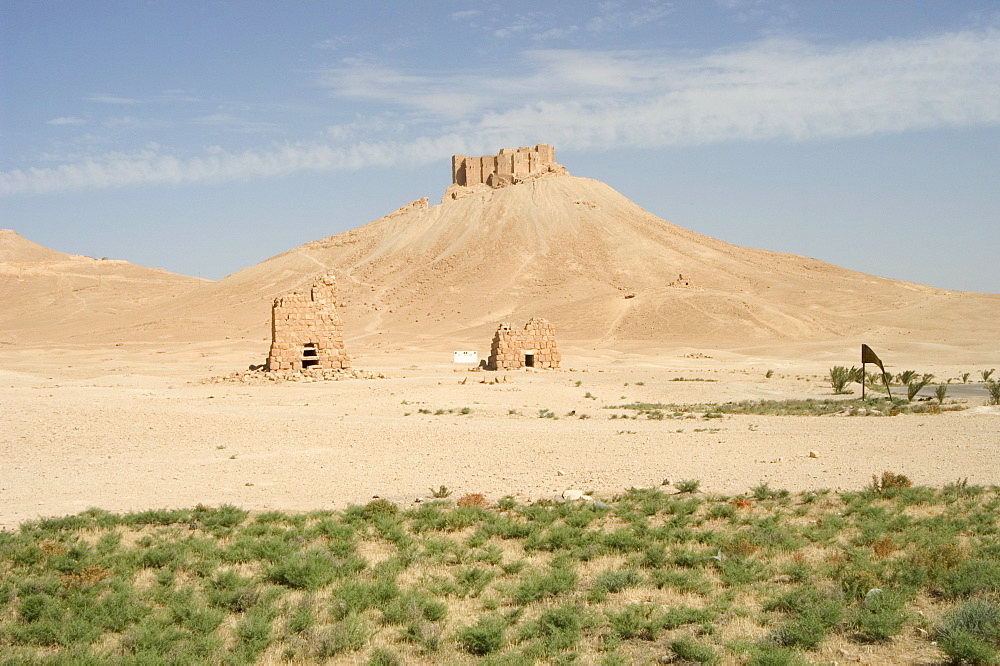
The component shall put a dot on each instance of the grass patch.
(641, 574)
(875, 406)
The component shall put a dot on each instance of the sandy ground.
(137, 426)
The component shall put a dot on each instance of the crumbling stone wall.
(535, 346)
(306, 331)
(508, 167)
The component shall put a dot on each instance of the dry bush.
(883, 547)
(889, 482)
(473, 499)
(85, 577)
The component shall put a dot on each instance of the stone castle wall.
(306, 331)
(535, 346)
(508, 167)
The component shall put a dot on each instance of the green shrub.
(540, 585)
(634, 621)
(350, 633)
(557, 629)
(682, 580)
(688, 486)
(384, 657)
(613, 581)
(767, 654)
(880, 616)
(971, 632)
(913, 387)
(811, 616)
(484, 637)
(840, 377)
(231, 591)
(689, 649)
(379, 507)
(971, 577)
(309, 570)
(993, 388)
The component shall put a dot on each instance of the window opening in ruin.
(529, 360)
(309, 355)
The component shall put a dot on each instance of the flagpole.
(863, 376)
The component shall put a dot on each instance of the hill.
(602, 269)
(49, 295)
(573, 250)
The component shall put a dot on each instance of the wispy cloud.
(334, 43)
(66, 120)
(615, 16)
(231, 123)
(553, 34)
(152, 167)
(770, 90)
(104, 98)
(178, 95)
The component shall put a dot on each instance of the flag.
(868, 356)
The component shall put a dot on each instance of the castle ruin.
(306, 331)
(533, 347)
(508, 167)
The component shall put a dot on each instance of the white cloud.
(66, 120)
(771, 90)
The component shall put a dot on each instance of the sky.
(205, 136)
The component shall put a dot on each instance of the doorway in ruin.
(310, 355)
(529, 359)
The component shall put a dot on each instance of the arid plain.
(112, 389)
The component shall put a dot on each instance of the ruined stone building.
(508, 167)
(533, 347)
(306, 331)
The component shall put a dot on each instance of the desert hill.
(575, 251)
(50, 295)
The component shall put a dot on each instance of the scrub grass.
(768, 576)
(873, 406)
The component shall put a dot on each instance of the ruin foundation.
(533, 347)
(306, 331)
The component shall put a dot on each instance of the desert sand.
(110, 389)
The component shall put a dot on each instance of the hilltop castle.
(508, 167)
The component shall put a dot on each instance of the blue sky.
(203, 137)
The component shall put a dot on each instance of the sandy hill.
(575, 251)
(50, 295)
(15, 248)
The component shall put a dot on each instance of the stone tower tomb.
(533, 347)
(306, 331)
